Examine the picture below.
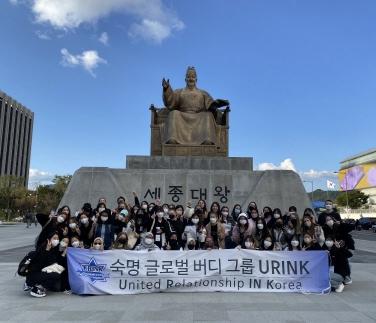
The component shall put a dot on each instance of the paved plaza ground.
(356, 304)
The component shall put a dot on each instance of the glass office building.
(16, 130)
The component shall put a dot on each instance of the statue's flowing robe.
(189, 120)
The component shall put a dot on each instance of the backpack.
(24, 265)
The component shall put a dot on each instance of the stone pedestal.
(189, 162)
(181, 179)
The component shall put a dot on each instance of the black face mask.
(174, 244)
(278, 224)
(122, 241)
(294, 222)
(191, 246)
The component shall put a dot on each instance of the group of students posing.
(153, 226)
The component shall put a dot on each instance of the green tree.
(49, 196)
(11, 190)
(16, 200)
(355, 198)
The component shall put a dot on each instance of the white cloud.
(38, 177)
(89, 60)
(103, 38)
(154, 21)
(42, 35)
(288, 164)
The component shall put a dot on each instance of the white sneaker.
(37, 292)
(347, 280)
(340, 288)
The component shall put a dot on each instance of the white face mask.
(72, 225)
(165, 210)
(307, 240)
(104, 218)
(225, 213)
(55, 242)
(295, 243)
(149, 241)
(243, 221)
(195, 221)
(75, 244)
(97, 246)
(60, 219)
(84, 220)
(248, 244)
(63, 244)
(329, 243)
(101, 209)
(213, 220)
(144, 206)
(330, 223)
(160, 215)
(267, 243)
(276, 216)
(124, 213)
(237, 211)
(260, 226)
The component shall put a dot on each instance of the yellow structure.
(359, 172)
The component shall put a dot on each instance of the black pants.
(50, 281)
(64, 281)
(342, 266)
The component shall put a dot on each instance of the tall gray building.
(16, 129)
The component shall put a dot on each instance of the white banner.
(229, 270)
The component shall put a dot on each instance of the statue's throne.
(158, 148)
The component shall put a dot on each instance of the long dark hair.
(219, 208)
(233, 214)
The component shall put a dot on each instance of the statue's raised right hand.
(165, 83)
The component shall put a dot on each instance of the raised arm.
(168, 95)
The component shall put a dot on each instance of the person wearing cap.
(121, 219)
(242, 229)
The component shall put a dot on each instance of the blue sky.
(300, 76)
